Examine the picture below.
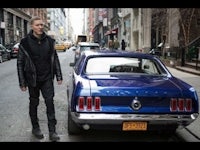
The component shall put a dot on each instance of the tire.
(1, 59)
(73, 129)
(9, 57)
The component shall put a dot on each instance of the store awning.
(114, 31)
(108, 32)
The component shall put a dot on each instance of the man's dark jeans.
(47, 90)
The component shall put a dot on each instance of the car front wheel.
(9, 57)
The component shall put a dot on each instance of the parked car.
(127, 91)
(10, 45)
(83, 46)
(60, 47)
(15, 50)
(4, 53)
(155, 52)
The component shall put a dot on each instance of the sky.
(76, 17)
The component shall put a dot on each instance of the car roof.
(121, 53)
(2, 46)
(117, 53)
(88, 44)
(16, 45)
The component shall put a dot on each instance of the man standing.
(37, 65)
(110, 44)
(123, 44)
(116, 44)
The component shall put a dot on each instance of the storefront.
(112, 33)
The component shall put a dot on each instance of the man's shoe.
(37, 133)
(53, 136)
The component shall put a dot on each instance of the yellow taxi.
(60, 47)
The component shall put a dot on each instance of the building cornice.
(18, 13)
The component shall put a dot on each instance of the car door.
(5, 53)
(2, 54)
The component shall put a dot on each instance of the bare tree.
(186, 18)
(159, 17)
(158, 27)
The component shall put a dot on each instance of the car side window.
(149, 67)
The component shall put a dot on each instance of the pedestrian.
(123, 44)
(116, 44)
(37, 66)
(110, 44)
(102, 43)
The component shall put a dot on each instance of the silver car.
(83, 46)
(4, 53)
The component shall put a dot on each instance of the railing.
(195, 42)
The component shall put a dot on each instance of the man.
(37, 65)
(116, 44)
(123, 44)
(110, 44)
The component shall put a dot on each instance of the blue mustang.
(127, 91)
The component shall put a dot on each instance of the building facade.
(14, 23)
(57, 24)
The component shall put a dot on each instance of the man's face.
(38, 27)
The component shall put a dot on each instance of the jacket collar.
(35, 38)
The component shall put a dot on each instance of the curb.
(195, 72)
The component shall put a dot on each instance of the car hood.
(140, 85)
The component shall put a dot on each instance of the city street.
(15, 123)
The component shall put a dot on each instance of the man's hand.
(23, 88)
(59, 82)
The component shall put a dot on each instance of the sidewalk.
(188, 70)
(189, 67)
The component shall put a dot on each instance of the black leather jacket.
(26, 69)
